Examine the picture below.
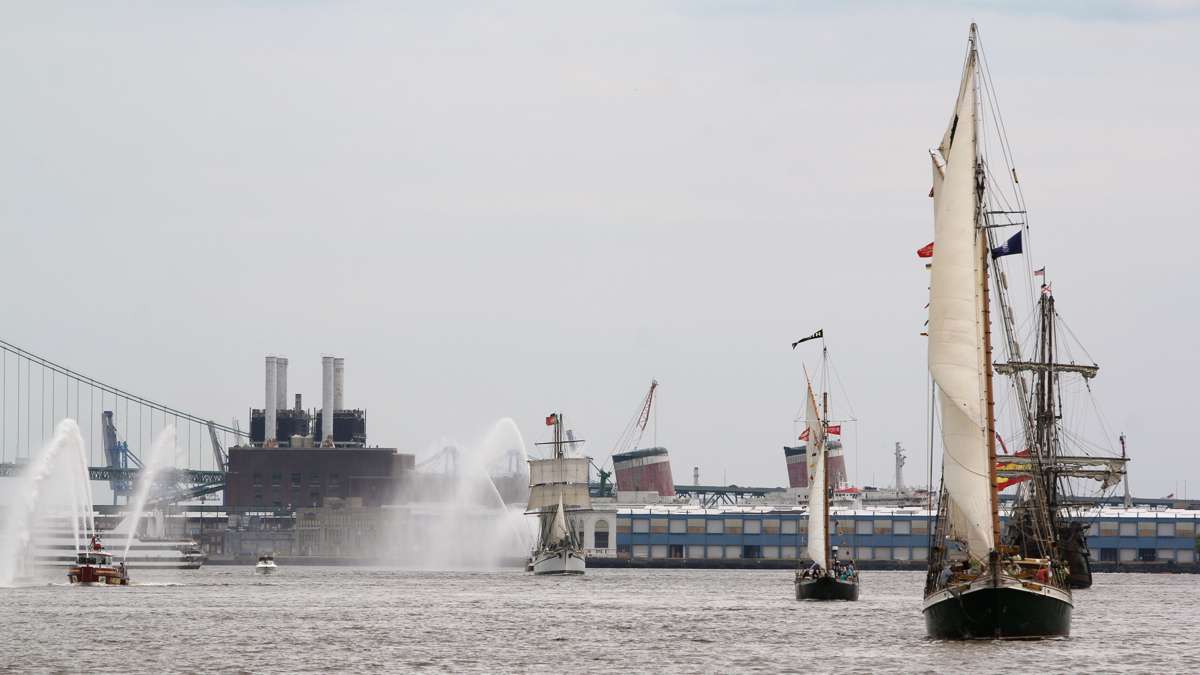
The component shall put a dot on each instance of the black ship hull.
(826, 588)
(1010, 612)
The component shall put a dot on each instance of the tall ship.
(558, 486)
(826, 578)
(980, 584)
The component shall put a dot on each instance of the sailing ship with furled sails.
(980, 583)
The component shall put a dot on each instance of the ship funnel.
(326, 400)
(270, 405)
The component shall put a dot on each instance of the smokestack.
(298, 407)
(339, 383)
(326, 399)
(696, 475)
(281, 364)
(269, 406)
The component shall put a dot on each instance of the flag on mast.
(814, 336)
(1040, 273)
(1010, 247)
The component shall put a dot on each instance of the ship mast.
(825, 461)
(984, 254)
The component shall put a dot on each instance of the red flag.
(804, 435)
(552, 419)
(835, 429)
(925, 251)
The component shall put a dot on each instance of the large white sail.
(818, 519)
(558, 470)
(956, 348)
(543, 498)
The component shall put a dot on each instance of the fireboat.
(94, 566)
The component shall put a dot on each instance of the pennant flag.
(814, 336)
(835, 429)
(925, 251)
(1040, 273)
(1010, 247)
(804, 435)
(552, 419)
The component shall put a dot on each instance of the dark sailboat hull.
(1008, 612)
(826, 588)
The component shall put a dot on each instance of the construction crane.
(630, 438)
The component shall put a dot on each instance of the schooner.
(981, 584)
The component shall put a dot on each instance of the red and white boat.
(94, 566)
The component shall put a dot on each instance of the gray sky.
(498, 212)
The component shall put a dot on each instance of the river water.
(311, 619)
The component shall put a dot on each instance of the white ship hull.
(265, 569)
(562, 561)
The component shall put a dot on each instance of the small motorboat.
(94, 567)
(266, 564)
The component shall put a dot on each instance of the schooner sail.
(978, 586)
(558, 485)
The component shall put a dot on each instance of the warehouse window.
(257, 480)
(752, 552)
(314, 478)
(1166, 529)
(678, 526)
(883, 552)
(788, 526)
(733, 526)
(601, 534)
(883, 526)
(714, 526)
(675, 551)
(846, 526)
(624, 526)
(1166, 554)
(862, 527)
(623, 551)
(1109, 528)
(1129, 529)
(1108, 555)
(920, 525)
(1146, 528)
(864, 553)
(733, 552)
(695, 551)
(900, 553)
(770, 526)
(902, 526)
(753, 527)
(1145, 554)
(715, 551)
(1185, 528)
(641, 551)
(1128, 554)
(770, 552)
(276, 478)
(658, 551)
(1185, 555)
(658, 525)
(641, 526)
(695, 526)
(788, 553)
(920, 553)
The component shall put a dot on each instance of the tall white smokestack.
(339, 383)
(270, 405)
(281, 364)
(326, 399)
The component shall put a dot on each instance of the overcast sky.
(496, 212)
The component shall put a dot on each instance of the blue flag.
(1010, 247)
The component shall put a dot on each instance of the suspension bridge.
(118, 428)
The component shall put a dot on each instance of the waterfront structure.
(887, 538)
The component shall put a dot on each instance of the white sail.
(543, 498)
(956, 350)
(558, 470)
(558, 527)
(818, 519)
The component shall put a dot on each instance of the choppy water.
(322, 619)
